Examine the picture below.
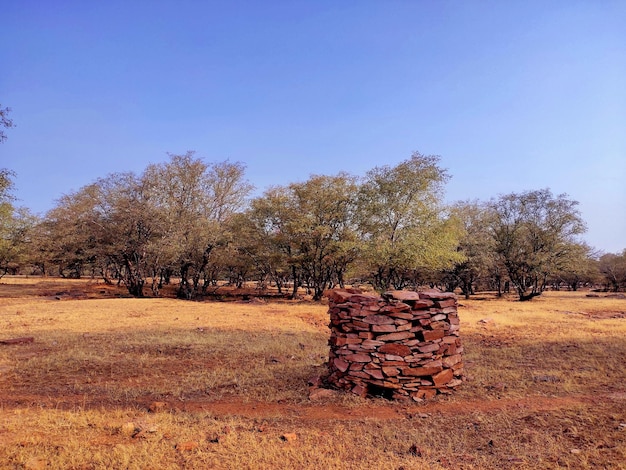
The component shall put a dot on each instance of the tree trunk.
(132, 278)
(135, 288)
(294, 275)
(526, 297)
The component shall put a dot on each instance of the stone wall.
(399, 345)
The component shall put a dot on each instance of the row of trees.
(188, 219)
(192, 221)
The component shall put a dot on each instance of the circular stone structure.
(401, 345)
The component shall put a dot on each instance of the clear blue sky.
(514, 95)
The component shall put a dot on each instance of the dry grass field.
(116, 383)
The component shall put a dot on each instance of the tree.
(13, 223)
(534, 234)
(108, 224)
(309, 229)
(264, 238)
(15, 226)
(168, 219)
(402, 222)
(324, 229)
(194, 200)
(127, 223)
(578, 268)
(613, 268)
(67, 237)
(475, 245)
(5, 122)
(15, 229)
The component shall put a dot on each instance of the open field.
(227, 384)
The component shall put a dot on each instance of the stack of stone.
(399, 345)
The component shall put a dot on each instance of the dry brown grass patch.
(545, 387)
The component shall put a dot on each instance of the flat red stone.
(420, 371)
(436, 294)
(378, 320)
(396, 336)
(395, 349)
(341, 365)
(402, 295)
(443, 377)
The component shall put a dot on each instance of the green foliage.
(306, 230)
(185, 218)
(535, 235)
(475, 245)
(402, 223)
